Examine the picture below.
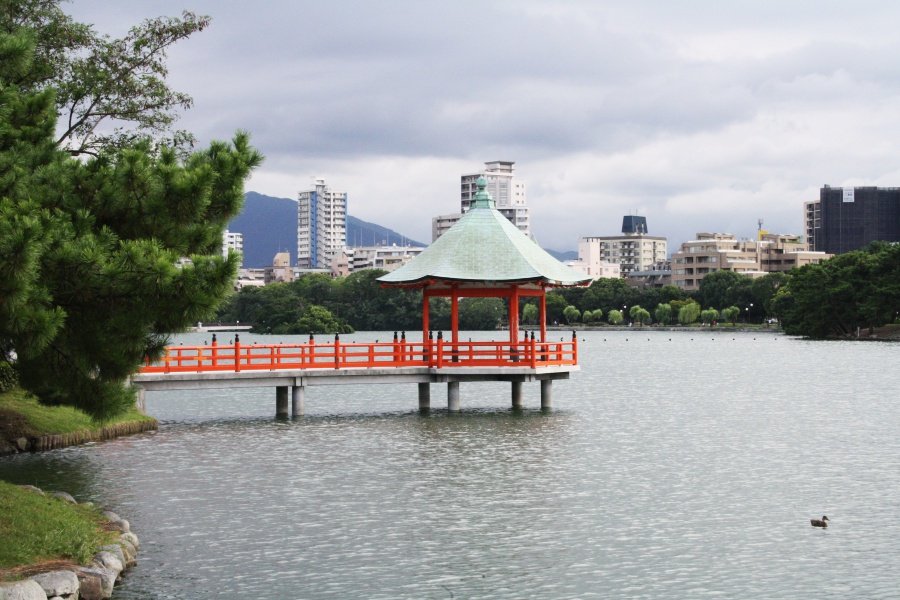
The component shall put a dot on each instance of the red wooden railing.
(369, 355)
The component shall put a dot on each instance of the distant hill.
(269, 226)
(562, 255)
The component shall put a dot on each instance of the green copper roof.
(483, 246)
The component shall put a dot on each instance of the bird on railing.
(823, 522)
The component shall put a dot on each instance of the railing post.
(237, 352)
(440, 350)
(574, 348)
(215, 351)
(426, 350)
(276, 356)
(311, 354)
(394, 348)
(532, 351)
(166, 361)
(403, 347)
(337, 351)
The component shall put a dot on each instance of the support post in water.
(424, 396)
(297, 398)
(517, 395)
(281, 401)
(453, 396)
(546, 394)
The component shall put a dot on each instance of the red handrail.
(367, 355)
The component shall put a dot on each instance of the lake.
(673, 465)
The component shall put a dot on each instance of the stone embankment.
(91, 582)
(63, 440)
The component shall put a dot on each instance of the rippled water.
(674, 465)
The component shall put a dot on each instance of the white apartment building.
(232, 240)
(712, 252)
(321, 226)
(507, 192)
(380, 257)
(635, 252)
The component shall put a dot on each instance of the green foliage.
(689, 313)
(615, 317)
(721, 288)
(556, 304)
(571, 314)
(481, 313)
(663, 313)
(592, 316)
(731, 314)
(859, 289)
(8, 377)
(641, 316)
(53, 420)
(709, 316)
(530, 314)
(89, 281)
(46, 528)
(608, 294)
(108, 92)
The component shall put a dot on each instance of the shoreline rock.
(64, 440)
(91, 582)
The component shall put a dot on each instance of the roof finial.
(482, 196)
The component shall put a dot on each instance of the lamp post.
(625, 314)
(747, 317)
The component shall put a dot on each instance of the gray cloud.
(701, 115)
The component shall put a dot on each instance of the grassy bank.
(39, 529)
(46, 427)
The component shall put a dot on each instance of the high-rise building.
(232, 240)
(508, 194)
(712, 252)
(632, 251)
(321, 226)
(845, 219)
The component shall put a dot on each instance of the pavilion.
(484, 255)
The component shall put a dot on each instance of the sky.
(701, 116)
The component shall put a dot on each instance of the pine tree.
(91, 276)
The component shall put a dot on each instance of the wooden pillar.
(297, 398)
(543, 317)
(281, 401)
(453, 396)
(517, 395)
(454, 324)
(514, 316)
(425, 315)
(424, 396)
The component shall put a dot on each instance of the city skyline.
(702, 117)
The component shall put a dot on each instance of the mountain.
(563, 255)
(269, 226)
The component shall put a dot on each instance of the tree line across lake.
(834, 298)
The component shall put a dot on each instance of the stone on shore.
(65, 497)
(132, 539)
(58, 584)
(110, 561)
(96, 580)
(22, 590)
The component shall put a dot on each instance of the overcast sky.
(702, 116)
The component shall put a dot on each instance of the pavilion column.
(514, 316)
(454, 323)
(425, 316)
(543, 317)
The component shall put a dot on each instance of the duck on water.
(823, 522)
